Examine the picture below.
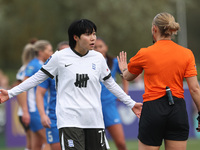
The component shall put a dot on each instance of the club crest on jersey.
(70, 143)
(94, 66)
(47, 60)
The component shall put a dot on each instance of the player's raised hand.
(3, 96)
(137, 109)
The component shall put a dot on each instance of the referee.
(165, 64)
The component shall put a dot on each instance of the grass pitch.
(193, 144)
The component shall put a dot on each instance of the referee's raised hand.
(3, 96)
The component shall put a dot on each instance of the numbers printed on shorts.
(50, 136)
(102, 136)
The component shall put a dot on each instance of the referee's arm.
(194, 88)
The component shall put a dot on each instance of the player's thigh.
(42, 135)
(55, 146)
(36, 143)
(142, 146)
(175, 145)
(116, 131)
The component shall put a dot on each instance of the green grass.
(193, 144)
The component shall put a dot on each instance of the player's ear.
(76, 38)
(155, 28)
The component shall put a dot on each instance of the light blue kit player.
(52, 133)
(35, 122)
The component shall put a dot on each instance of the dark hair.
(80, 27)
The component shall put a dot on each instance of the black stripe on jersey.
(107, 77)
(47, 73)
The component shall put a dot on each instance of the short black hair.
(80, 27)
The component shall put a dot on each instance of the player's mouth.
(92, 44)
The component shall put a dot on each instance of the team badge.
(70, 143)
(94, 66)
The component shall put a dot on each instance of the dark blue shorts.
(161, 121)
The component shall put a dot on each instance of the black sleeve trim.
(107, 77)
(47, 73)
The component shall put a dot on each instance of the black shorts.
(26, 128)
(72, 138)
(161, 121)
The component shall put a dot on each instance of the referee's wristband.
(124, 70)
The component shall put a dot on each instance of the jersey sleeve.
(21, 73)
(135, 66)
(105, 71)
(45, 84)
(30, 69)
(191, 67)
(51, 66)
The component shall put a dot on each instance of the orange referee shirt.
(165, 64)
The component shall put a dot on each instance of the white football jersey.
(78, 87)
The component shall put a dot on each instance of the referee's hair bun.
(166, 23)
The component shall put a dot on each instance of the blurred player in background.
(27, 55)
(43, 50)
(165, 63)
(48, 118)
(62, 45)
(111, 115)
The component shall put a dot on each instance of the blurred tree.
(193, 24)
(124, 24)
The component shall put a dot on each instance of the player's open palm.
(137, 109)
(3, 96)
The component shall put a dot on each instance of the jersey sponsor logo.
(67, 65)
(81, 80)
(70, 143)
(47, 60)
